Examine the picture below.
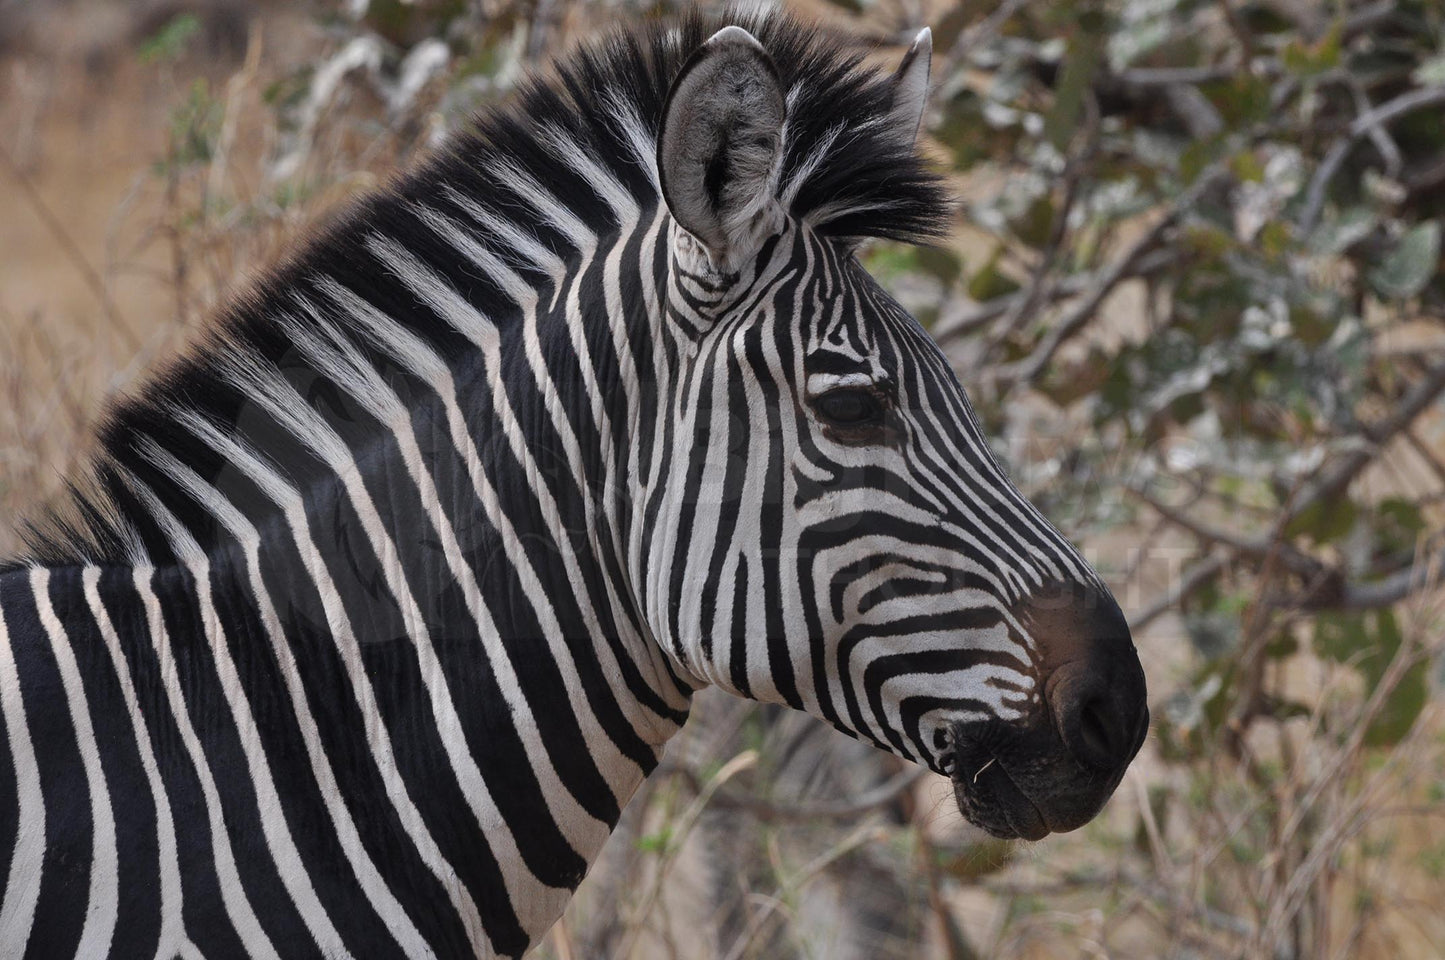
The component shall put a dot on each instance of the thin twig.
(681, 828)
(1409, 407)
(1240, 31)
(1174, 76)
(1379, 136)
(1389, 590)
(964, 321)
(1076, 319)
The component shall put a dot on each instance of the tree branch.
(1192, 579)
(1255, 548)
(963, 321)
(1378, 434)
(1362, 125)
(1374, 594)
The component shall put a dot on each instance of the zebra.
(379, 604)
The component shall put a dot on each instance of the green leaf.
(990, 282)
(1288, 709)
(1263, 18)
(1323, 521)
(1085, 56)
(1282, 647)
(1036, 224)
(1197, 156)
(1274, 239)
(1371, 641)
(655, 842)
(940, 262)
(1400, 710)
(406, 22)
(1338, 636)
(1246, 166)
(1431, 72)
(171, 40)
(1398, 525)
(964, 131)
(1411, 266)
(1403, 703)
(1241, 100)
(889, 261)
(959, 17)
(1306, 60)
(1336, 235)
(1404, 513)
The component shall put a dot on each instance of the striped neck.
(447, 573)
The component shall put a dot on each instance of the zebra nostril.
(1094, 729)
(1093, 682)
(1095, 715)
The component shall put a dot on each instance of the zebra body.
(384, 602)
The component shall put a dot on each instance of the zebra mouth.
(989, 797)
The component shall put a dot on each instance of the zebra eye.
(850, 407)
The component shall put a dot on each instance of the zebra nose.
(1093, 681)
(1101, 714)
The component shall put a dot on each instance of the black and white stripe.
(381, 605)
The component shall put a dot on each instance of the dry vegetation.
(1270, 523)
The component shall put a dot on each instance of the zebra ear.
(720, 148)
(910, 86)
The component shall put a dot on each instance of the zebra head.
(827, 527)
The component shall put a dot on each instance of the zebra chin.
(1053, 770)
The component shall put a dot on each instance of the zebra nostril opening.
(1096, 723)
(1095, 732)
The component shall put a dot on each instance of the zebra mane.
(845, 172)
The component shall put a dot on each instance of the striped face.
(836, 535)
(831, 530)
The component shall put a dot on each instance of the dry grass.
(120, 237)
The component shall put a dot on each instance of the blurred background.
(1195, 291)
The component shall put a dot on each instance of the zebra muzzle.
(1055, 769)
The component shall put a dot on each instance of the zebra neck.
(427, 608)
(465, 453)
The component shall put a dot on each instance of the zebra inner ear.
(720, 149)
(910, 86)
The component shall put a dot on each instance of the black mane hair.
(851, 176)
